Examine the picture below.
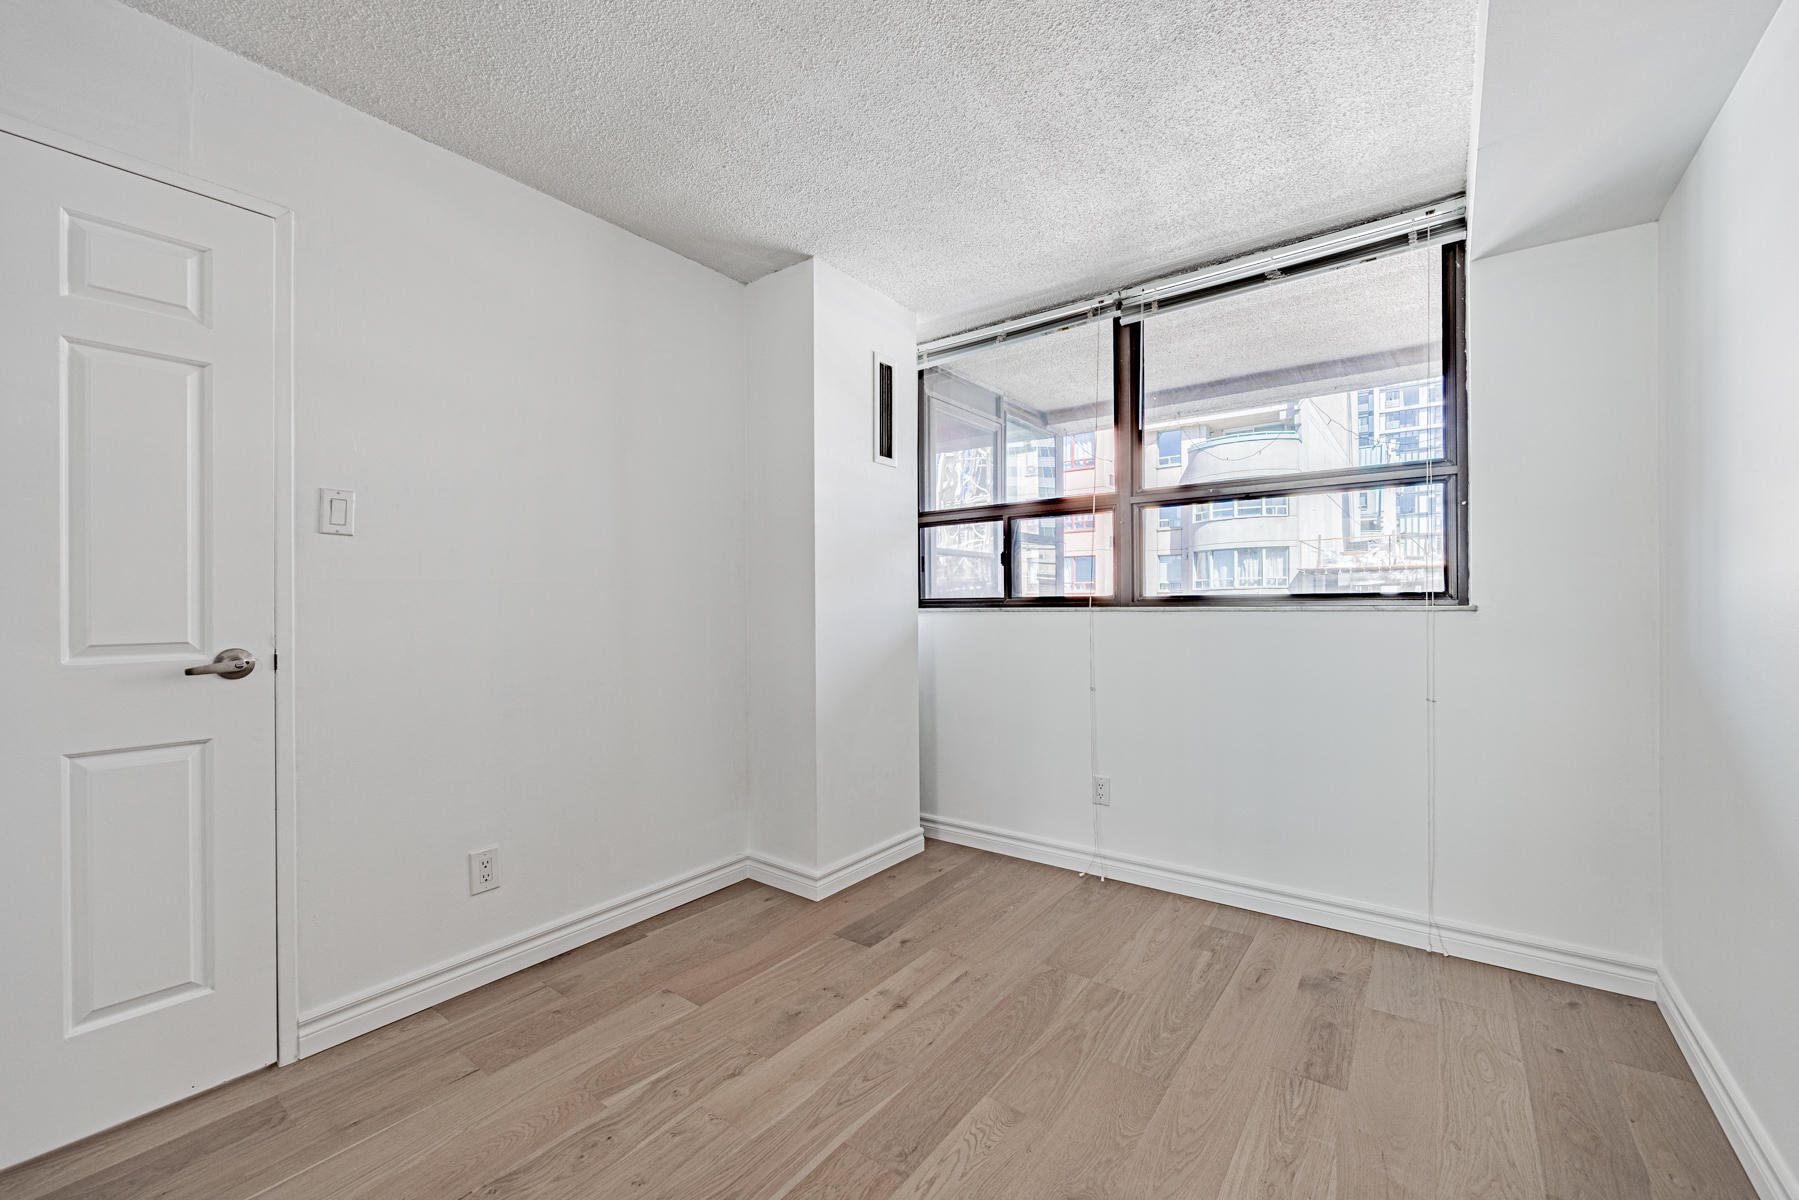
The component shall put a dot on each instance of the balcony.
(1259, 433)
(1275, 450)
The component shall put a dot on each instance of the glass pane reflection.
(1063, 556)
(962, 562)
(1378, 541)
(1028, 421)
(1320, 373)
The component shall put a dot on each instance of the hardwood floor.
(963, 1025)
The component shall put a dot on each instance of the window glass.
(1027, 421)
(1227, 510)
(1063, 556)
(964, 457)
(1241, 568)
(1324, 372)
(962, 561)
(1383, 541)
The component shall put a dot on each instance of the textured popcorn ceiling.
(972, 160)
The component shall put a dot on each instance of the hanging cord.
(1097, 862)
(1433, 940)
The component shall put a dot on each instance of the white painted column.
(833, 567)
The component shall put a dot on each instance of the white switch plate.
(483, 870)
(337, 512)
(1102, 790)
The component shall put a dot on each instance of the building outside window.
(1240, 567)
(1299, 438)
(1168, 448)
(1256, 506)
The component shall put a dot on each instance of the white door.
(137, 902)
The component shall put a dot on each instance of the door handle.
(230, 664)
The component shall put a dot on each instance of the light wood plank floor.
(962, 1025)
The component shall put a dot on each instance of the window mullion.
(1127, 378)
(1005, 557)
(1372, 539)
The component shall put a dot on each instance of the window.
(1063, 556)
(964, 457)
(1017, 423)
(1411, 425)
(1259, 506)
(1030, 461)
(962, 562)
(1370, 542)
(1241, 568)
(1168, 448)
(1261, 440)
(1368, 505)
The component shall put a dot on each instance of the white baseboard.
(1572, 964)
(1767, 1170)
(816, 885)
(325, 1027)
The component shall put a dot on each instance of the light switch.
(337, 512)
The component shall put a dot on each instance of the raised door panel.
(134, 479)
(105, 260)
(138, 903)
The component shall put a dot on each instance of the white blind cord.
(1433, 940)
(1097, 862)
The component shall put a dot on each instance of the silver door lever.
(230, 664)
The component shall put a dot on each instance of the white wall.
(867, 572)
(1730, 630)
(513, 388)
(1282, 753)
(833, 577)
(1588, 113)
(783, 715)
(1547, 705)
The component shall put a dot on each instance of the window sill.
(1217, 606)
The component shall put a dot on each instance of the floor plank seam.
(989, 1026)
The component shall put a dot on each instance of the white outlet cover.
(483, 870)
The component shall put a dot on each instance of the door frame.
(287, 976)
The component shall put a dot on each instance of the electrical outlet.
(1102, 790)
(483, 870)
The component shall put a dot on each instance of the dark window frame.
(1133, 584)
